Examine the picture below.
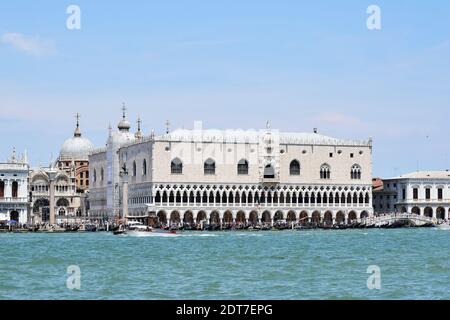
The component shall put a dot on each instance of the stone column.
(52, 175)
(8, 189)
(124, 195)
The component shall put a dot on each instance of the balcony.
(270, 181)
(13, 200)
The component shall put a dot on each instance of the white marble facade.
(235, 175)
(14, 189)
(425, 193)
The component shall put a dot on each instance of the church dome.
(77, 147)
(124, 124)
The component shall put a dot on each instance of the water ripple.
(415, 264)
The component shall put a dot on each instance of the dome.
(124, 125)
(76, 148)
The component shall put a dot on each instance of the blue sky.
(232, 64)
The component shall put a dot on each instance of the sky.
(232, 64)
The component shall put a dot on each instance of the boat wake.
(202, 235)
(152, 235)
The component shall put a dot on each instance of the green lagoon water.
(415, 264)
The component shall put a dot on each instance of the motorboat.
(138, 229)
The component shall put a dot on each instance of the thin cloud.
(32, 45)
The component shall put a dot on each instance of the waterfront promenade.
(395, 220)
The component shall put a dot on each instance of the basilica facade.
(59, 192)
(232, 176)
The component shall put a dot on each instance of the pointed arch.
(304, 218)
(144, 167)
(176, 166)
(134, 169)
(325, 171)
(294, 168)
(242, 167)
(328, 219)
(158, 197)
(269, 172)
(209, 167)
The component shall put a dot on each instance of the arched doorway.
(162, 217)
(328, 219)
(266, 218)
(42, 207)
(175, 217)
(428, 212)
(228, 218)
(291, 217)
(316, 217)
(279, 216)
(188, 219)
(304, 219)
(253, 218)
(416, 210)
(440, 213)
(214, 219)
(201, 216)
(352, 217)
(240, 218)
(403, 210)
(340, 218)
(364, 215)
(14, 216)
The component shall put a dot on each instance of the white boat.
(140, 230)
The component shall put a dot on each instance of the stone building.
(59, 191)
(104, 166)
(425, 193)
(14, 189)
(234, 176)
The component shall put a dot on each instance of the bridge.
(407, 219)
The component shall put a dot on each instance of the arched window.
(210, 167)
(144, 167)
(62, 202)
(355, 173)
(176, 166)
(242, 167)
(134, 168)
(294, 168)
(2, 189)
(269, 172)
(15, 189)
(325, 172)
(102, 175)
(95, 175)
